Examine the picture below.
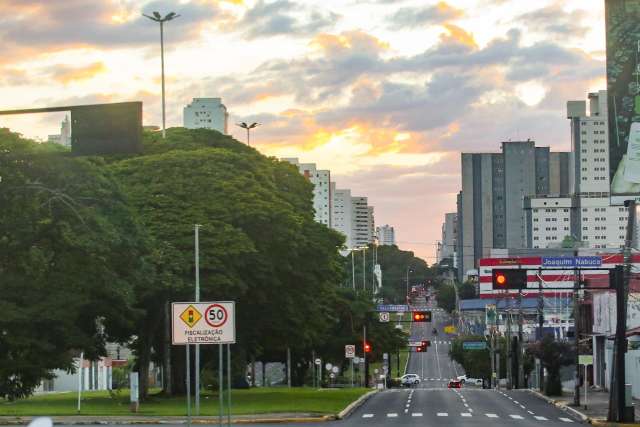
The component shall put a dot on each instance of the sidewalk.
(597, 406)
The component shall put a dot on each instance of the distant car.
(434, 331)
(461, 378)
(455, 384)
(408, 380)
(474, 381)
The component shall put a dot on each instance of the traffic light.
(367, 347)
(421, 316)
(509, 278)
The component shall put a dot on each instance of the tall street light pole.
(408, 271)
(248, 127)
(158, 18)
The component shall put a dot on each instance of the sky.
(384, 93)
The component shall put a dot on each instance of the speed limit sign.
(384, 316)
(203, 322)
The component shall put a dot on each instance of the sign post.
(206, 323)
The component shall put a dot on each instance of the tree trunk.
(167, 378)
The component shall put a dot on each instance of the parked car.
(462, 378)
(455, 384)
(409, 380)
(474, 381)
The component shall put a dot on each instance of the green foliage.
(71, 260)
(476, 363)
(467, 290)
(553, 355)
(446, 295)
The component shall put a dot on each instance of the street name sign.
(203, 322)
(572, 262)
(585, 359)
(474, 345)
(349, 351)
(392, 307)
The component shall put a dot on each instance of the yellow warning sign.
(191, 316)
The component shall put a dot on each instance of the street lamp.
(409, 270)
(158, 18)
(244, 125)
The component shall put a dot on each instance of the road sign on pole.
(203, 322)
(318, 361)
(349, 351)
(384, 316)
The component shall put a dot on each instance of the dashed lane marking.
(491, 415)
(516, 417)
(566, 420)
(539, 418)
(465, 414)
(392, 415)
(522, 406)
(443, 414)
(516, 402)
(367, 415)
(416, 414)
(531, 412)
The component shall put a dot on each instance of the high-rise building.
(581, 216)
(363, 222)
(494, 185)
(448, 244)
(64, 138)
(208, 113)
(386, 235)
(321, 180)
(342, 214)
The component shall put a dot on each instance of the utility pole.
(364, 269)
(540, 326)
(353, 271)
(197, 296)
(618, 375)
(493, 378)
(509, 348)
(576, 329)
(520, 383)
(364, 351)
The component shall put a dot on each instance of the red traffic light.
(421, 316)
(367, 347)
(509, 278)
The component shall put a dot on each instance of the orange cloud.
(83, 73)
(334, 44)
(460, 35)
(448, 10)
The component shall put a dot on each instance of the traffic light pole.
(576, 329)
(540, 326)
(364, 351)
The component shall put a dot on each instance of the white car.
(462, 378)
(409, 380)
(474, 381)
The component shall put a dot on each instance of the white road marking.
(531, 412)
(407, 405)
(491, 415)
(367, 416)
(522, 406)
(443, 414)
(392, 415)
(539, 418)
(510, 398)
(466, 405)
(406, 411)
(516, 417)
(416, 414)
(516, 402)
(465, 414)
(566, 420)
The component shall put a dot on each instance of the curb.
(354, 405)
(560, 405)
(199, 421)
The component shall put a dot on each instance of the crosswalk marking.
(491, 415)
(540, 418)
(566, 420)
(416, 414)
(465, 414)
(392, 415)
(516, 417)
(443, 414)
(367, 415)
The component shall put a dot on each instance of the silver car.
(409, 380)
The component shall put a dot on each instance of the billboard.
(623, 90)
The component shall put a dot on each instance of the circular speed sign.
(216, 315)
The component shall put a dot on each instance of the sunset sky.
(384, 93)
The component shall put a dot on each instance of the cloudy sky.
(384, 93)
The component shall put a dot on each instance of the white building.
(96, 375)
(208, 113)
(363, 222)
(342, 214)
(386, 235)
(64, 138)
(447, 245)
(321, 180)
(585, 214)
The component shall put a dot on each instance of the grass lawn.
(244, 402)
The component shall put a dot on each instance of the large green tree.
(71, 261)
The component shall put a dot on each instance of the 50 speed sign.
(203, 322)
